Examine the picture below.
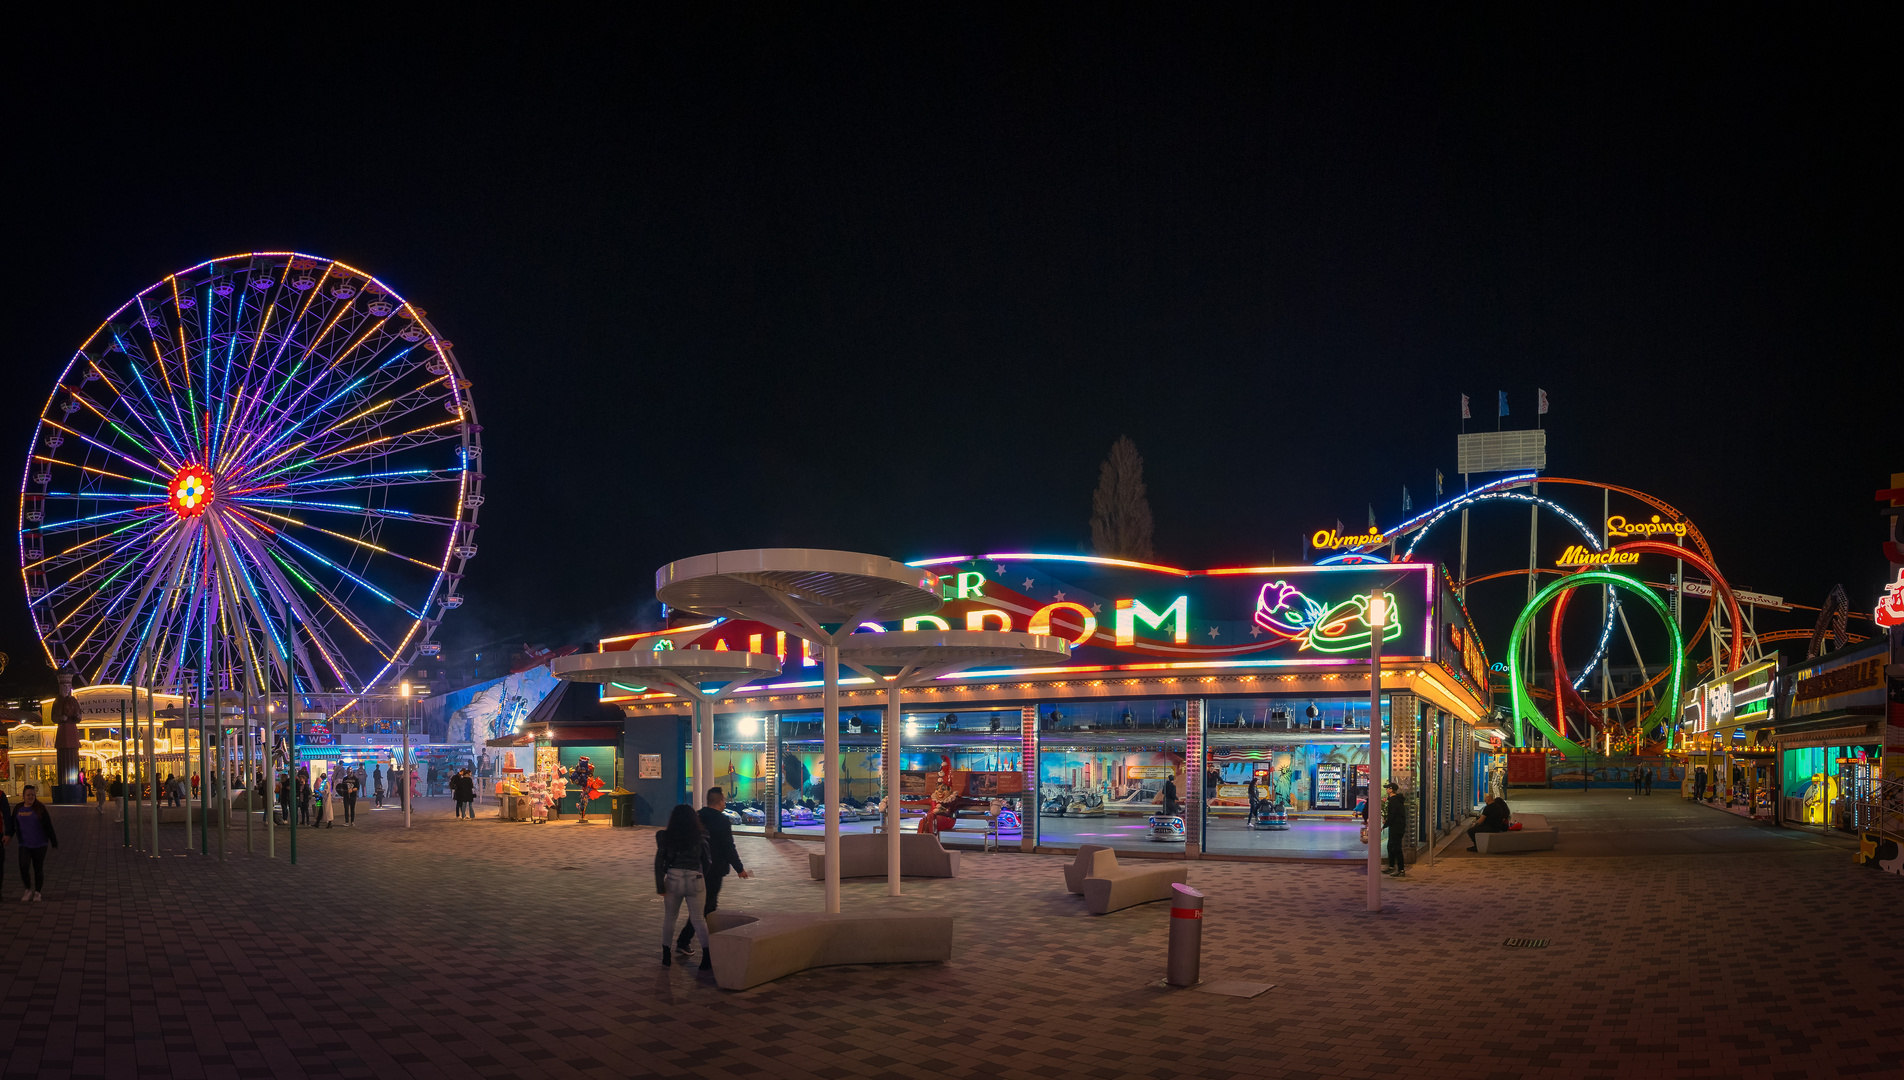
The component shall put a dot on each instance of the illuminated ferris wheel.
(266, 462)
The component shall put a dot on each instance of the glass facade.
(1308, 760)
(1814, 780)
(740, 760)
(802, 770)
(985, 752)
(1103, 770)
(1100, 770)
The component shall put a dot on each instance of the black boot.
(707, 959)
(667, 957)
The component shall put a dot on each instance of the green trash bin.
(621, 806)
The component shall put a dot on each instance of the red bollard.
(1186, 936)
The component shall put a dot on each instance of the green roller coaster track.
(1665, 712)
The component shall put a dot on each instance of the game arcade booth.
(1221, 712)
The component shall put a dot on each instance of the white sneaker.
(37, 896)
(25, 896)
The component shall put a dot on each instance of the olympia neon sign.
(1330, 540)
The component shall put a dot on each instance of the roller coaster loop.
(1665, 711)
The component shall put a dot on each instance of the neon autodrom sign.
(1283, 610)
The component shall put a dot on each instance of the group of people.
(1642, 781)
(30, 828)
(693, 855)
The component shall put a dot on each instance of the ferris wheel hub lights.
(190, 491)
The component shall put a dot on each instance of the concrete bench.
(1075, 869)
(1111, 887)
(1534, 835)
(864, 855)
(750, 950)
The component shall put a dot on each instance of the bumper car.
(1164, 830)
(1008, 823)
(792, 816)
(1084, 804)
(1270, 816)
(753, 815)
(1141, 801)
(1054, 802)
(732, 815)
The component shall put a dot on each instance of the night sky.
(799, 275)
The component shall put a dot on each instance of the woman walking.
(682, 863)
(33, 827)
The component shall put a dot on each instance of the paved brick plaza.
(484, 949)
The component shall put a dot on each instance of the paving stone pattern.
(487, 949)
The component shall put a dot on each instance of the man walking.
(1649, 781)
(1639, 779)
(33, 827)
(1699, 784)
(1171, 808)
(347, 794)
(720, 843)
(376, 780)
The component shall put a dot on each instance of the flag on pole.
(1437, 483)
(1407, 504)
(1543, 402)
(1465, 415)
(1503, 411)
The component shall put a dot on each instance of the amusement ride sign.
(1580, 555)
(1618, 528)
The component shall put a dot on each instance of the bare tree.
(1120, 511)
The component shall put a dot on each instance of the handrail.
(1874, 807)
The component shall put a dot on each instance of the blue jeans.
(690, 886)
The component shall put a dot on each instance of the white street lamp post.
(1377, 619)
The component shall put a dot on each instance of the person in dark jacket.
(1171, 809)
(1649, 781)
(1395, 820)
(720, 845)
(682, 865)
(32, 826)
(347, 797)
(464, 789)
(1494, 818)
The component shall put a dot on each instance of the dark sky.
(818, 276)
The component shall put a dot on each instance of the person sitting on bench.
(1493, 818)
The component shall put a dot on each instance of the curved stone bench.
(1075, 869)
(750, 950)
(1533, 835)
(1110, 886)
(864, 855)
